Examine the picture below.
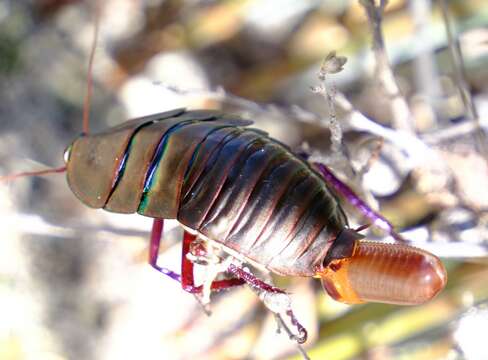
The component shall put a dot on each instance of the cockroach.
(235, 189)
(248, 193)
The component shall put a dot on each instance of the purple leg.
(302, 332)
(357, 202)
(187, 276)
(253, 280)
(260, 284)
(156, 233)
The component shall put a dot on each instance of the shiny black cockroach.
(249, 194)
(237, 190)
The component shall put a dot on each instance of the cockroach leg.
(252, 280)
(275, 299)
(282, 325)
(187, 281)
(362, 227)
(302, 332)
(156, 233)
(202, 254)
(187, 278)
(280, 304)
(356, 201)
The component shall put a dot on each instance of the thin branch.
(333, 64)
(458, 64)
(415, 150)
(460, 79)
(448, 134)
(425, 67)
(402, 116)
(335, 129)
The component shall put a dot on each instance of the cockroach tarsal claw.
(302, 332)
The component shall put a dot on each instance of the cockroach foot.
(276, 300)
(280, 304)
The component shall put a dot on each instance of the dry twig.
(402, 116)
(460, 79)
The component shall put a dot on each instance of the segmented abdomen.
(234, 185)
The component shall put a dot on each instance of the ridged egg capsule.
(387, 273)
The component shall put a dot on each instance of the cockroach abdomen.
(387, 273)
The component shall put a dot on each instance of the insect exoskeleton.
(357, 271)
(232, 184)
(246, 191)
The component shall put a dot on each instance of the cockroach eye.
(386, 273)
(67, 153)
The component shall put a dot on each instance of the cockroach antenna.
(89, 80)
(33, 173)
(86, 108)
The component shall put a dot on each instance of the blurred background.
(74, 283)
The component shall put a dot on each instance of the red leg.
(156, 233)
(187, 281)
(187, 276)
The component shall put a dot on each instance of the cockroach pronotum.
(242, 198)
